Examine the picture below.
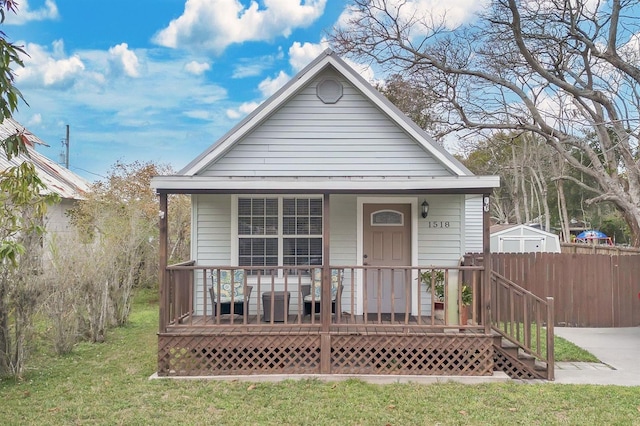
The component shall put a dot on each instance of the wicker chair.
(312, 302)
(230, 284)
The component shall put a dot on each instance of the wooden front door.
(387, 242)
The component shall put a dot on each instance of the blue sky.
(160, 80)
(155, 80)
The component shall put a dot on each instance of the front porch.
(350, 336)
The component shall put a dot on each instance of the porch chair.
(316, 281)
(230, 283)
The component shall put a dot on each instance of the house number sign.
(437, 224)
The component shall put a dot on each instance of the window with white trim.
(279, 231)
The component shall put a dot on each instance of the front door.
(387, 242)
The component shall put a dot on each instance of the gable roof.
(327, 59)
(58, 179)
(203, 174)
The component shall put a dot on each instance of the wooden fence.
(589, 290)
(578, 248)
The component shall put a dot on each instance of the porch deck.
(198, 339)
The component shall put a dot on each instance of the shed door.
(387, 242)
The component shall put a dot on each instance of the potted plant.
(466, 298)
(436, 278)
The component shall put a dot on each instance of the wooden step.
(516, 352)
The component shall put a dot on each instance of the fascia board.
(200, 183)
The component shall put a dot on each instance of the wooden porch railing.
(187, 298)
(524, 319)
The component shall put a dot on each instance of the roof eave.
(198, 184)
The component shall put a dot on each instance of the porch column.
(486, 254)
(325, 298)
(162, 275)
(325, 306)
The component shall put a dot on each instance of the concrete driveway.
(617, 348)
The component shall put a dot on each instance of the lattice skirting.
(459, 355)
(213, 355)
(205, 355)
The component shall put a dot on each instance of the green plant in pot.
(466, 295)
(434, 277)
(466, 298)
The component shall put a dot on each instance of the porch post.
(162, 275)
(325, 298)
(325, 304)
(486, 255)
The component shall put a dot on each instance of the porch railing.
(359, 297)
(524, 319)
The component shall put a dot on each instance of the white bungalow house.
(325, 192)
(59, 180)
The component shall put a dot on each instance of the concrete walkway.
(617, 348)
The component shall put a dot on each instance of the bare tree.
(563, 70)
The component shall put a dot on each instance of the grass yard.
(106, 384)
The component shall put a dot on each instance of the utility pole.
(65, 142)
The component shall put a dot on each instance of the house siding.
(307, 137)
(211, 237)
(440, 246)
(57, 220)
(343, 234)
(473, 224)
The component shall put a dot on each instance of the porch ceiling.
(438, 184)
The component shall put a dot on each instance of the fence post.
(550, 340)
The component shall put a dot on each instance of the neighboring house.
(326, 192)
(511, 238)
(59, 180)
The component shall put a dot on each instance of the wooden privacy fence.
(597, 249)
(589, 290)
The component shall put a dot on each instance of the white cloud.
(269, 85)
(301, 54)
(431, 13)
(125, 60)
(215, 24)
(49, 69)
(197, 68)
(200, 114)
(364, 70)
(242, 110)
(34, 120)
(24, 14)
(250, 70)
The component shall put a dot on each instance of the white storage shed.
(510, 238)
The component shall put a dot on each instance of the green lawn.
(109, 384)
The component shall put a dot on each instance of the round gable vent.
(329, 91)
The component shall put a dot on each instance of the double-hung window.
(279, 230)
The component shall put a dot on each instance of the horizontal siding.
(212, 235)
(473, 224)
(441, 246)
(436, 246)
(344, 243)
(306, 137)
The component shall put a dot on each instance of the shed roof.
(58, 179)
(506, 228)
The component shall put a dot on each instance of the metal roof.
(58, 179)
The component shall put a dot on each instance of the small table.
(281, 301)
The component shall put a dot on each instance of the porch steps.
(511, 359)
